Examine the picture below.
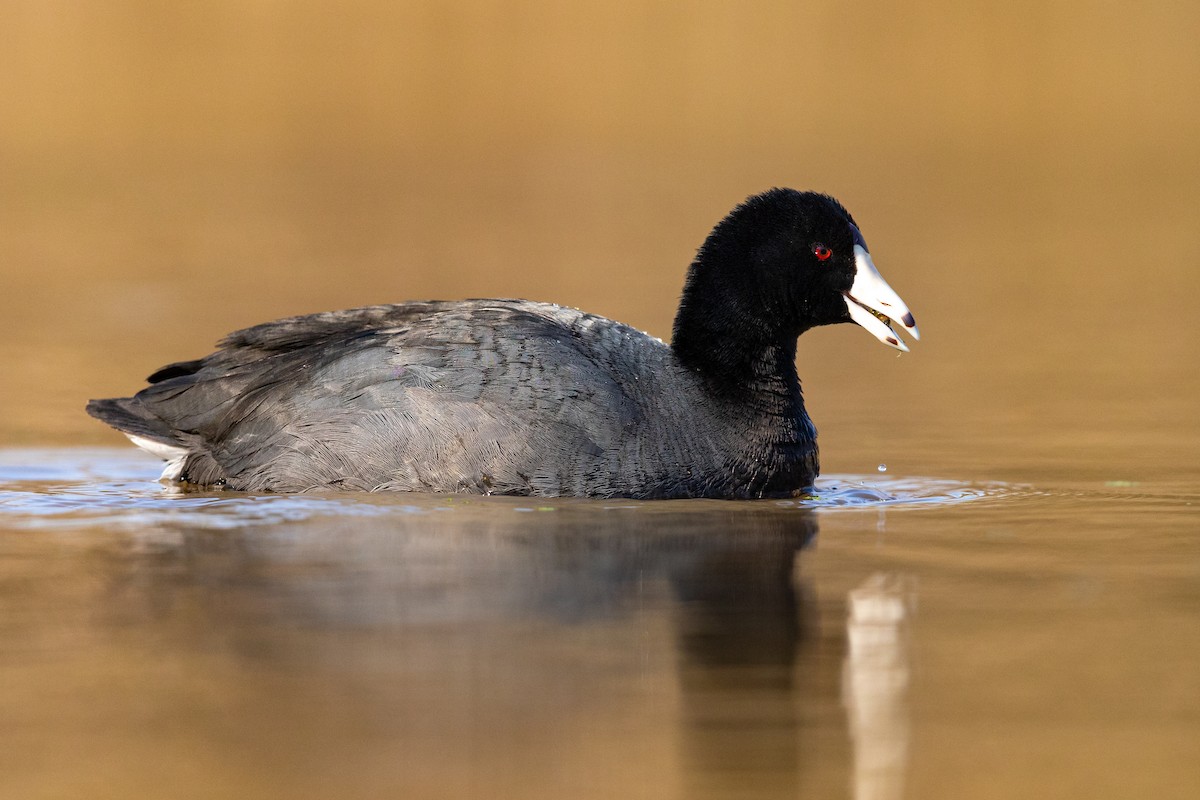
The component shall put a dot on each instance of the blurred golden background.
(1026, 174)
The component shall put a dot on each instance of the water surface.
(889, 637)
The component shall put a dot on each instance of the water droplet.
(882, 467)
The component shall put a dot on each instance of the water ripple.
(70, 488)
(856, 491)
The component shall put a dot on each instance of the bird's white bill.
(872, 303)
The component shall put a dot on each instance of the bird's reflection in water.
(668, 645)
(875, 684)
(743, 622)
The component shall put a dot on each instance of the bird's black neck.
(739, 362)
(737, 326)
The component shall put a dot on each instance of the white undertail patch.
(170, 453)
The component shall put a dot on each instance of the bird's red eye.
(821, 251)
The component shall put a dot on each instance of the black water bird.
(523, 398)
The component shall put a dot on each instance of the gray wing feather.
(501, 397)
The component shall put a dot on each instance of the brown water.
(1010, 609)
(952, 639)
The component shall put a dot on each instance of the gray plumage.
(524, 398)
(481, 396)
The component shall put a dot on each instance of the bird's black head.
(782, 262)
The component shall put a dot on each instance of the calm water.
(889, 637)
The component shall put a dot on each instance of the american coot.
(523, 398)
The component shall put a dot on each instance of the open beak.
(874, 305)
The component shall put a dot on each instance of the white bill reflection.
(875, 684)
